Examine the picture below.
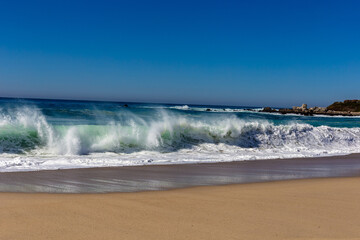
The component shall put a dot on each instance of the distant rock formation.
(346, 108)
(268, 109)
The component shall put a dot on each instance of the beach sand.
(295, 209)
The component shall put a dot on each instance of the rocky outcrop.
(268, 109)
(346, 108)
(319, 110)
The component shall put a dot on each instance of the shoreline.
(357, 154)
(164, 177)
(346, 108)
(306, 112)
(324, 208)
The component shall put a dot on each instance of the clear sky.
(257, 53)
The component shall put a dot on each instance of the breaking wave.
(26, 131)
(215, 109)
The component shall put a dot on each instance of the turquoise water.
(51, 134)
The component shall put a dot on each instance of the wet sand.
(143, 178)
(294, 209)
(259, 208)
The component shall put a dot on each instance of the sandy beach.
(295, 209)
(188, 120)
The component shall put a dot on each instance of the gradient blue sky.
(256, 53)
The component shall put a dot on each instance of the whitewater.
(53, 134)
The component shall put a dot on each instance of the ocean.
(61, 134)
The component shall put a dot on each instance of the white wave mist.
(26, 134)
(22, 129)
(215, 109)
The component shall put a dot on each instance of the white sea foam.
(29, 142)
(215, 109)
(184, 107)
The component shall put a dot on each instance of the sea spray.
(50, 135)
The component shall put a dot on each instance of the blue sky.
(256, 53)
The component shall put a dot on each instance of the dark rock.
(286, 110)
(268, 109)
(346, 106)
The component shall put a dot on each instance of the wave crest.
(25, 130)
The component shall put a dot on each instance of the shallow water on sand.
(162, 177)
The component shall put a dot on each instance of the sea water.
(56, 134)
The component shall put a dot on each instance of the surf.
(111, 135)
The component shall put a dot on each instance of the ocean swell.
(26, 131)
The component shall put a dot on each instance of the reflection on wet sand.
(144, 178)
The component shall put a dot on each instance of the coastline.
(294, 209)
(165, 177)
(307, 112)
(303, 198)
